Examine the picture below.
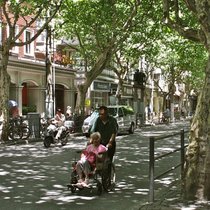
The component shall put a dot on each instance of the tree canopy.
(191, 20)
(25, 15)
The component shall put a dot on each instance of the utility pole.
(49, 102)
(140, 84)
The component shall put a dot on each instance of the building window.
(28, 46)
(16, 48)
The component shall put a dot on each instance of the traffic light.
(140, 78)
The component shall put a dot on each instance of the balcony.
(57, 58)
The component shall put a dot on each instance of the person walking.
(107, 126)
(68, 113)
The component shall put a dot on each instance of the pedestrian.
(107, 126)
(68, 113)
(148, 112)
(13, 109)
(88, 159)
(59, 123)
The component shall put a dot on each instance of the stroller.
(102, 176)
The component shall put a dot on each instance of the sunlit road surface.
(34, 178)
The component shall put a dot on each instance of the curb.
(77, 134)
(31, 140)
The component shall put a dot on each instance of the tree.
(178, 61)
(190, 19)
(29, 12)
(140, 44)
(101, 29)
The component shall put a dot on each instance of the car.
(124, 115)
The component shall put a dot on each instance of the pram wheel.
(73, 181)
(99, 188)
(73, 189)
(108, 178)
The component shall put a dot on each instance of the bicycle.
(19, 129)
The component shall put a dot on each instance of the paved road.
(32, 177)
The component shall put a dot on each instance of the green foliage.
(30, 14)
(23, 8)
(95, 24)
(186, 58)
(27, 109)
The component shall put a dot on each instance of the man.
(59, 122)
(107, 126)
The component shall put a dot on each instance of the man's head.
(103, 112)
(59, 111)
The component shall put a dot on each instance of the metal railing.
(153, 158)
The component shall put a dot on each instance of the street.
(33, 177)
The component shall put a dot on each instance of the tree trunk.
(91, 75)
(197, 168)
(119, 91)
(80, 103)
(4, 93)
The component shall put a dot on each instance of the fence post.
(151, 169)
(182, 152)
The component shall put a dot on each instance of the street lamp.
(140, 84)
(50, 76)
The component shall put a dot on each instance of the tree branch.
(191, 5)
(189, 33)
(49, 19)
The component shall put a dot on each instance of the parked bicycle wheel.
(108, 177)
(47, 141)
(26, 133)
(15, 133)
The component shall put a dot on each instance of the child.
(88, 158)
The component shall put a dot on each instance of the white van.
(88, 123)
(124, 115)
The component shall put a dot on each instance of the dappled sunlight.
(5, 189)
(3, 173)
(165, 181)
(32, 175)
(156, 133)
(59, 195)
(32, 169)
(142, 191)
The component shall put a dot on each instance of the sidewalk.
(167, 199)
(153, 125)
(170, 198)
(31, 140)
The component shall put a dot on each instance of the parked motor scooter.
(70, 125)
(50, 134)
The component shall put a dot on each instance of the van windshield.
(112, 111)
(94, 114)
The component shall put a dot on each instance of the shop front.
(99, 94)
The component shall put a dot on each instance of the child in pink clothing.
(88, 158)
